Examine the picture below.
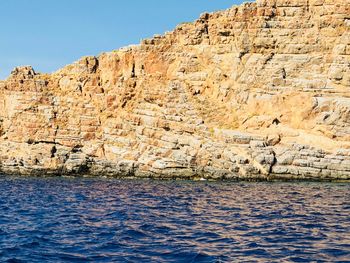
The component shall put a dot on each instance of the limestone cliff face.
(260, 90)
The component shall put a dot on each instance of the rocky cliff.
(259, 91)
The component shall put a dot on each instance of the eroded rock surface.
(260, 90)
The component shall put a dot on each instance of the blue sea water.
(110, 220)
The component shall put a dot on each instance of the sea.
(112, 220)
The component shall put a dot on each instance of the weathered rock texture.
(261, 90)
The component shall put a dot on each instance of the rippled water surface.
(100, 220)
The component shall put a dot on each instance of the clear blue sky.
(49, 34)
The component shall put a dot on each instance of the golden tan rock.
(259, 91)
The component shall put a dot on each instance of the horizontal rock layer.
(259, 91)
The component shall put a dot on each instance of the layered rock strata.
(259, 91)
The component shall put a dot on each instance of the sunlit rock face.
(259, 91)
